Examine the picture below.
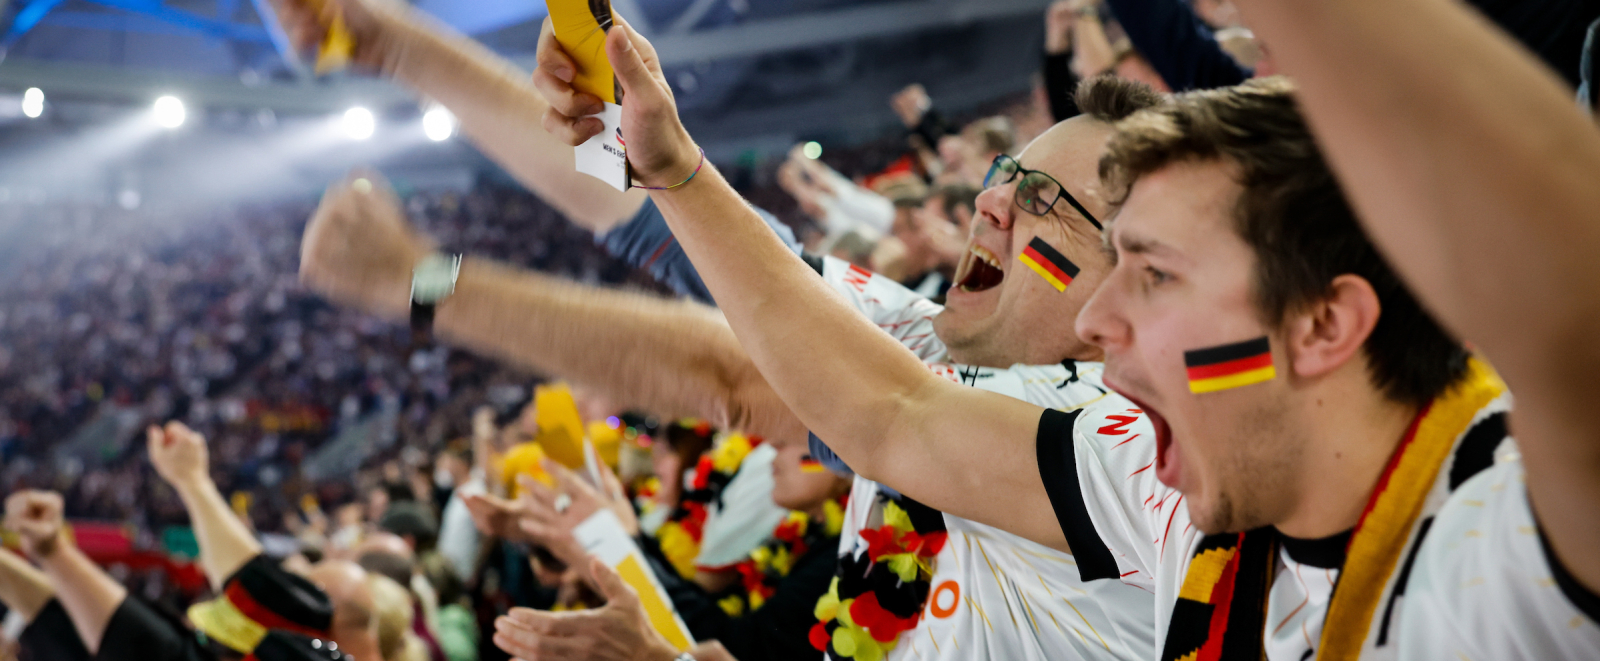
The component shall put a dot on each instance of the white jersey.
(994, 595)
(1480, 588)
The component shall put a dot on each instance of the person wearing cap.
(76, 610)
(258, 597)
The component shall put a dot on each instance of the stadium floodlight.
(813, 150)
(359, 123)
(438, 123)
(169, 112)
(33, 102)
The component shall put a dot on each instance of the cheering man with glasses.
(1038, 192)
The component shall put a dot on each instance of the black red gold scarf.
(770, 563)
(1222, 604)
(878, 596)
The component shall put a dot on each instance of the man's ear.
(1330, 331)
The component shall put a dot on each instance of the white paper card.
(602, 536)
(604, 156)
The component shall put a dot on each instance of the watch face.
(434, 278)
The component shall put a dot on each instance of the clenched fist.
(36, 516)
(379, 28)
(359, 250)
(179, 454)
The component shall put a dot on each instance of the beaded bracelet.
(685, 181)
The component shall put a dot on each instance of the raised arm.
(495, 101)
(179, 455)
(88, 594)
(1474, 171)
(23, 588)
(668, 357)
(878, 406)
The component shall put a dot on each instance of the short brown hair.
(1294, 216)
(1110, 99)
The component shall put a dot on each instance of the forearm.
(225, 543)
(843, 377)
(1470, 166)
(1093, 53)
(668, 357)
(500, 111)
(23, 588)
(86, 593)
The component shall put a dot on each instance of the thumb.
(157, 438)
(616, 591)
(638, 81)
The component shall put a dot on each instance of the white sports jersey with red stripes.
(994, 595)
(1481, 587)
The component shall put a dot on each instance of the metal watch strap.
(432, 280)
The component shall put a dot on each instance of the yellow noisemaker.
(560, 428)
(337, 45)
(524, 459)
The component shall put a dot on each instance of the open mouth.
(1169, 463)
(979, 270)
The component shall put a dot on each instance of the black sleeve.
(932, 127)
(51, 636)
(1060, 84)
(1178, 44)
(1058, 468)
(778, 630)
(136, 632)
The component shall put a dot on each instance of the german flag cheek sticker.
(1229, 366)
(809, 465)
(1054, 267)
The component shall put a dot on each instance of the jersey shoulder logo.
(858, 278)
(1120, 422)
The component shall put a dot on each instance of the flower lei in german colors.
(879, 595)
(680, 536)
(770, 563)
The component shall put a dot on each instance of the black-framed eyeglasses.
(1037, 193)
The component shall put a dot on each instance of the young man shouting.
(1311, 422)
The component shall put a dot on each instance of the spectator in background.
(334, 600)
(459, 541)
(91, 615)
(454, 626)
(774, 625)
(391, 556)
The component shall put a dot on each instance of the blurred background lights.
(359, 123)
(438, 124)
(33, 102)
(169, 112)
(813, 150)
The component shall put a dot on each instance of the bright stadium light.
(169, 112)
(438, 124)
(359, 123)
(33, 102)
(813, 150)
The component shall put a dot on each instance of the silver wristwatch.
(433, 280)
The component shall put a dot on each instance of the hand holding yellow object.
(337, 45)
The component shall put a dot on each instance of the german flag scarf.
(1222, 604)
